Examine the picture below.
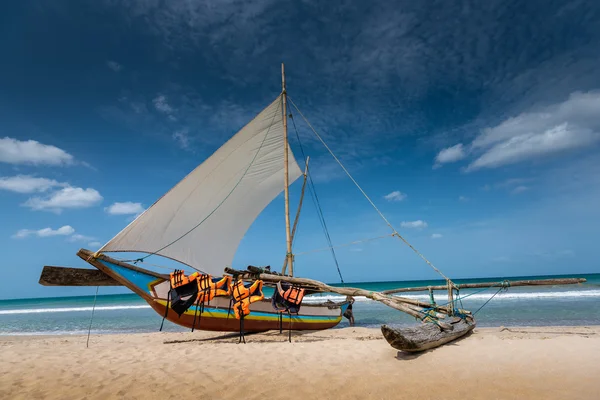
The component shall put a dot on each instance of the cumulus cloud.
(418, 224)
(527, 146)
(161, 104)
(182, 138)
(125, 208)
(550, 130)
(557, 128)
(449, 155)
(115, 66)
(14, 151)
(396, 195)
(69, 197)
(519, 189)
(79, 238)
(512, 185)
(65, 230)
(28, 184)
(436, 236)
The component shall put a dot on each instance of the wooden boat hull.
(217, 315)
(425, 336)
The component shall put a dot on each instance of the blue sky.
(475, 128)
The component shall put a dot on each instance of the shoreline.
(206, 335)
(354, 363)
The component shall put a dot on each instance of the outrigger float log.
(200, 222)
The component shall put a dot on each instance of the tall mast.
(286, 178)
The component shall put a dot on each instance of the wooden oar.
(66, 276)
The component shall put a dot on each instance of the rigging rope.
(504, 285)
(226, 197)
(490, 299)
(156, 265)
(315, 198)
(87, 344)
(395, 232)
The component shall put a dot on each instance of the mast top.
(283, 78)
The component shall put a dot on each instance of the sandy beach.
(349, 363)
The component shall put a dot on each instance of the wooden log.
(425, 336)
(274, 278)
(390, 301)
(532, 282)
(65, 276)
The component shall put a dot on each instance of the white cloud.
(115, 66)
(45, 232)
(554, 129)
(463, 198)
(28, 184)
(14, 151)
(557, 139)
(160, 103)
(182, 138)
(418, 224)
(69, 197)
(519, 189)
(396, 195)
(436, 236)
(125, 208)
(513, 185)
(80, 238)
(94, 245)
(449, 155)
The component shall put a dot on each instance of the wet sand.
(349, 363)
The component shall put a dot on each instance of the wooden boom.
(408, 306)
(533, 282)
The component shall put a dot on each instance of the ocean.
(569, 305)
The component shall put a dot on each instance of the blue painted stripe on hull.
(139, 279)
(259, 315)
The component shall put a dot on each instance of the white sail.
(201, 221)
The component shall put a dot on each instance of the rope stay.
(394, 231)
(223, 201)
(87, 343)
(313, 193)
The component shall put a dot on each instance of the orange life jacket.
(293, 294)
(244, 296)
(287, 298)
(178, 278)
(208, 288)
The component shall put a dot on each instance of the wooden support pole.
(532, 282)
(450, 297)
(285, 263)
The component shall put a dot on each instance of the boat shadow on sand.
(272, 337)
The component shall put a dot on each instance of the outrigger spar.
(200, 222)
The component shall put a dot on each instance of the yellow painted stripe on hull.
(255, 317)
